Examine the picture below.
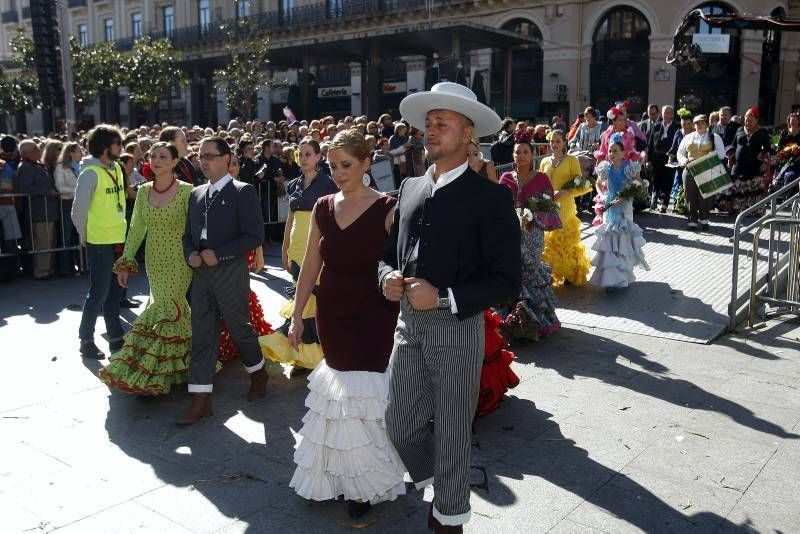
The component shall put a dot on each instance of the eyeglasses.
(208, 157)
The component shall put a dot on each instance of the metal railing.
(29, 245)
(779, 292)
(773, 206)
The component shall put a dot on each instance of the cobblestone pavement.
(609, 430)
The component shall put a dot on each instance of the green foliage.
(151, 70)
(18, 89)
(94, 69)
(247, 50)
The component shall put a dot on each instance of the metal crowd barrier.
(781, 294)
(27, 220)
(776, 208)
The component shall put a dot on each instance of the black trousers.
(663, 178)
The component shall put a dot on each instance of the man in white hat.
(453, 251)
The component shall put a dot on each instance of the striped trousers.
(435, 378)
(220, 292)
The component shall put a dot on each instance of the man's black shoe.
(90, 350)
(116, 346)
(128, 303)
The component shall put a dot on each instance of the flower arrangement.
(542, 204)
(787, 154)
(634, 190)
(684, 113)
(525, 217)
(579, 182)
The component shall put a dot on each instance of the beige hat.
(698, 118)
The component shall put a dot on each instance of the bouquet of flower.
(634, 190)
(546, 211)
(787, 154)
(579, 182)
(525, 218)
(543, 203)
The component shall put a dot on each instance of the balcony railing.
(300, 16)
(76, 3)
(26, 12)
(9, 16)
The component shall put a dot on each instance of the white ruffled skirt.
(618, 250)
(344, 449)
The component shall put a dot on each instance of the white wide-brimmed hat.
(453, 97)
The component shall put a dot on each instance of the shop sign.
(333, 92)
(711, 43)
(394, 87)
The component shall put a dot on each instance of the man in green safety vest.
(98, 213)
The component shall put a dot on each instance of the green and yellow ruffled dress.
(158, 346)
(276, 346)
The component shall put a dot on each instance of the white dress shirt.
(212, 190)
(698, 139)
(444, 179)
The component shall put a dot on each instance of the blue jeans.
(104, 294)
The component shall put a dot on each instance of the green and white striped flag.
(710, 175)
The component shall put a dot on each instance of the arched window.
(716, 83)
(770, 73)
(621, 60)
(526, 79)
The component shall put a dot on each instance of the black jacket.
(235, 224)
(657, 144)
(469, 240)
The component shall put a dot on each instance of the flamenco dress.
(497, 377)
(157, 348)
(227, 348)
(533, 314)
(344, 449)
(563, 249)
(619, 240)
(275, 346)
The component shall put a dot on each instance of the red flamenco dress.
(227, 348)
(496, 374)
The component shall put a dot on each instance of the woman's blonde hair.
(64, 158)
(353, 142)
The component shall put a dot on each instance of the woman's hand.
(122, 278)
(617, 201)
(285, 259)
(295, 332)
(258, 260)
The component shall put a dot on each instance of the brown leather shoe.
(439, 528)
(258, 385)
(201, 407)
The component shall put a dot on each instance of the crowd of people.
(403, 307)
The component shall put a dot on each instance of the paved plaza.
(636, 417)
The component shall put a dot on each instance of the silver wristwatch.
(444, 303)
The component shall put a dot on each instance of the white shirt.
(698, 139)
(665, 130)
(213, 189)
(444, 179)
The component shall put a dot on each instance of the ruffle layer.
(275, 346)
(156, 352)
(619, 250)
(565, 253)
(344, 449)
(125, 264)
(496, 374)
(309, 312)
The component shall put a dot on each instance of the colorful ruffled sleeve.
(136, 234)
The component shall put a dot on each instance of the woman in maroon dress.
(344, 449)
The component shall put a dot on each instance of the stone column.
(789, 84)
(561, 61)
(415, 73)
(750, 69)
(355, 89)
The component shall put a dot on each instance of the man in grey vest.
(224, 223)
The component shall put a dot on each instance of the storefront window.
(770, 74)
(526, 81)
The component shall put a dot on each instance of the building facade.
(527, 59)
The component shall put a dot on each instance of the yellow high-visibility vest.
(105, 224)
